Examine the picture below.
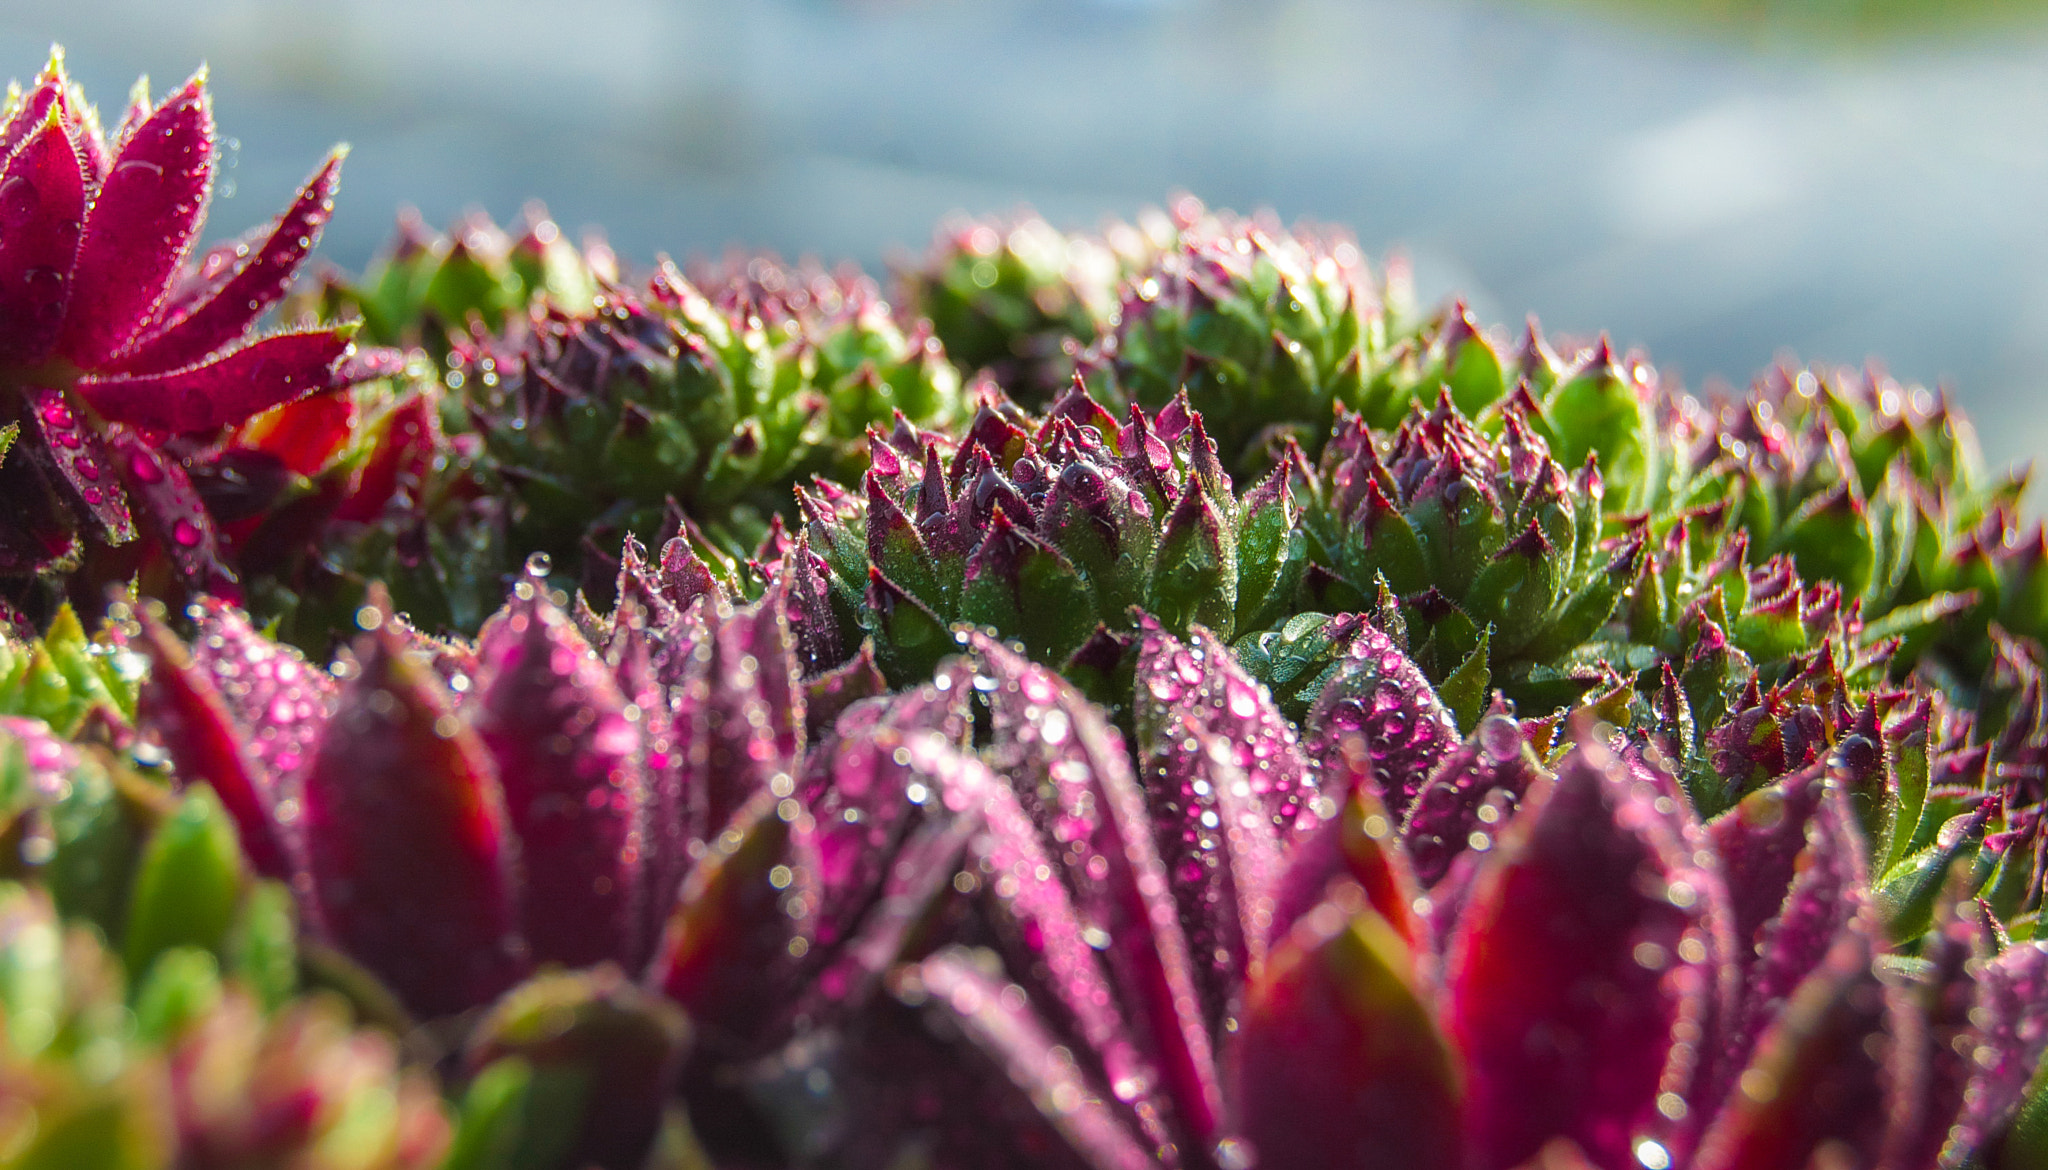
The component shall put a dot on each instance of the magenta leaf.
(413, 871)
(34, 111)
(1074, 776)
(1201, 687)
(71, 449)
(180, 703)
(1817, 1082)
(1377, 716)
(248, 279)
(740, 718)
(144, 219)
(163, 492)
(1474, 789)
(1338, 1060)
(2013, 1004)
(278, 699)
(994, 1018)
(569, 763)
(1585, 942)
(744, 917)
(237, 384)
(42, 201)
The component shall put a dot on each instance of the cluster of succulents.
(1151, 699)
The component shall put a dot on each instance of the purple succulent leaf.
(72, 449)
(1484, 777)
(34, 111)
(1760, 841)
(743, 919)
(221, 304)
(1359, 846)
(1584, 946)
(1338, 1060)
(413, 868)
(49, 757)
(916, 875)
(42, 201)
(226, 389)
(740, 716)
(994, 1019)
(142, 224)
(1047, 945)
(2012, 1040)
(279, 700)
(1944, 1051)
(871, 803)
(1074, 776)
(181, 705)
(1826, 894)
(1201, 687)
(568, 756)
(162, 492)
(1817, 1081)
(1378, 716)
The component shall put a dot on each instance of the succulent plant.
(117, 349)
(1021, 299)
(1266, 331)
(1051, 530)
(434, 290)
(719, 398)
(187, 1070)
(1200, 963)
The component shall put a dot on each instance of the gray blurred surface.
(1717, 205)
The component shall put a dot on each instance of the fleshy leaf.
(143, 221)
(1472, 791)
(75, 452)
(568, 762)
(1378, 716)
(1033, 1061)
(2014, 1031)
(1584, 944)
(42, 201)
(223, 390)
(1073, 773)
(252, 278)
(406, 837)
(1338, 1060)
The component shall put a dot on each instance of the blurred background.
(1720, 183)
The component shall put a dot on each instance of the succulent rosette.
(721, 398)
(433, 290)
(119, 348)
(1265, 330)
(1021, 299)
(1395, 949)
(1050, 530)
(196, 1074)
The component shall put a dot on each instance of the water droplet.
(539, 565)
(186, 534)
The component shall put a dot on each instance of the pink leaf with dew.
(2013, 1037)
(740, 721)
(185, 710)
(1585, 942)
(1218, 839)
(229, 388)
(1360, 847)
(42, 200)
(1049, 947)
(173, 511)
(1470, 791)
(742, 922)
(568, 761)
(994, 1018)
(248, 279)
(1203, 681)
(76, 454)
(1816, 1090)
(407, 843)
(1074, 778)
(1948, 990)
(1338, 1060)
(34, 111)
(1377, 716)
(280, 700)
(142, 224)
